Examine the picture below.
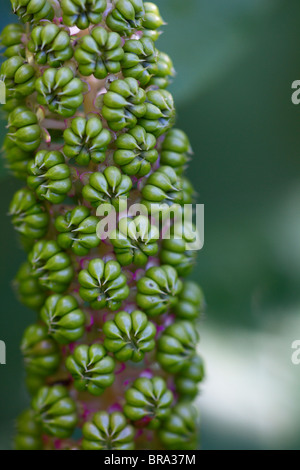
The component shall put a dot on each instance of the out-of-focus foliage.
(209, 37)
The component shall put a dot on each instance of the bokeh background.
(235, 62)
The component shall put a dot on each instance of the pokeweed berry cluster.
(111, 361)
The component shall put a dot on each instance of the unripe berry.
(148, 398)
(64, 319)
(28, 289)
(175, 250)
(29, 217)
(33, 10)
(162, 187)
(108, 432)
(50, 45)
(179, 430)
(129, 336)
(160, 112)
(124, 104)
(107, 187)
(91, 368)
(177, 346)
(158, 291)
(140, 60)
(136, 152)
(134, 241)
(127, 16)
(28, 432)
(175, 150)
(18, 76)
(188, 379)
(100, 53)
(60, 91)
(16, 159)
(24, 129)
(41, 353)
(164, 71)
(191, 302)
(77, 231)
(49, 176)
(55, 411)
(51, 266)
(152, 21)
(103, 284)
(82, 12)
(86, 140)
(11, 39)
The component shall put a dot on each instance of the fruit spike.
(111, 361)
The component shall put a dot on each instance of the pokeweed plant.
(111, 361)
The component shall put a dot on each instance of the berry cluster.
(111, 361)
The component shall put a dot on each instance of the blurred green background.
(235, 63)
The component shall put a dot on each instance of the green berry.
(18, 76)
(107, 187)
(148, 398)
(13, 103)
(28, 432)
(134, 241)
(12, 39)
(163, 187)
(82, 13)
(188, 191)
(164, 71)
(24, 129)
(60, 91)
(77, 231)
(51, 266)
(129, 336)
(175, 250)
(179, 430)
(160, 112)
(50, 45)
(103, 284)
(108, 432)
(29, 217)
(177, 346)
(152, 21)
(55, 411)
(124, 104)
(12, 34)
(99, 53)
(188, 379)
(34, 382)
(128, 15)
(91, 368)
(28, 289)
(49, 176)
(64, 320)
(158, 290)
(175, 150)
(16, 159)
(86, 140)
(136, 152)
(191, 302)
(140, 60)
(33, 10)
(40, 352)
(13, 51)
